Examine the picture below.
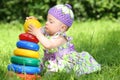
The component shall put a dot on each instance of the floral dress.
(66, 58)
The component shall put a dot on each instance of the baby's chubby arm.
(47, 43)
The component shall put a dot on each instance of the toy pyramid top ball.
(31, 21)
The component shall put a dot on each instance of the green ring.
(25, 61)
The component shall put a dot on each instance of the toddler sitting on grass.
(59, 52)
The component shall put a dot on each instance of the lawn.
(100, 38)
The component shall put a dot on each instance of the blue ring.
(27, 45)
(23, 69)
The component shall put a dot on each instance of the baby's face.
(52, 25)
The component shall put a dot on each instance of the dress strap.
(68, 38)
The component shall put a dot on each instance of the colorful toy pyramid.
(25, 62)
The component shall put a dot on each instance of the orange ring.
(26, 53)
(28, 76)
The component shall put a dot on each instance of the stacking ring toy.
(33, 22)
(28, 37)
(25, 61)
(27, 45)
(23, 69)
(29, 76)
(26, 53)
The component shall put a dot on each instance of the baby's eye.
(51, 22)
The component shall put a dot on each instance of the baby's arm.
(47, 43)
(50, 43)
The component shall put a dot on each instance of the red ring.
(28, 37)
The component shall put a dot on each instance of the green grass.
(100, 38)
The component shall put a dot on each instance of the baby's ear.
(64, 28)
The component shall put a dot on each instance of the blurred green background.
(83, 9)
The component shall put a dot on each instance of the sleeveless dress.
(66, 58)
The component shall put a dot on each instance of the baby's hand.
(30, 17)
(33, 30)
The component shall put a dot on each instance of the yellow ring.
(26, 53)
